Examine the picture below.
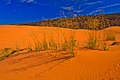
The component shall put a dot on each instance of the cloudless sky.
(20, 11)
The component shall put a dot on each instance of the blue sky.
(19, 11)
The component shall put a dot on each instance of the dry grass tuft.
(109, 36)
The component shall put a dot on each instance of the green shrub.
(38, 46)
(52, 44)
(72, 45)
(92, 41)
(104, 46)
(6, 52)
(110, 36)
(65, 45)
(44, 43)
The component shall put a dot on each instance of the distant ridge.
(82, 22)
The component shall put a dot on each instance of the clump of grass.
(69, 44)
(65, 45)
(52, 44)
(105, 46)
(44, 43)
(92, 41)
(72, 44)
(96, 42)
(6, 52)
(38, 46)
(6, 49)
(109, 36)
(29, 47)
(4, 56)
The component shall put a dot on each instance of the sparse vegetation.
(6, 52)
(38, 46)
(109, 36)
(105, 46)
(97, 42)
(92, 41)
(52, 44)
(72, 42)
(69, 44)
(64, 44)
(82, 22)
(44, 43)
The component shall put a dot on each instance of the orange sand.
(86, 65)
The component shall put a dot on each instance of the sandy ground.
(51, 65)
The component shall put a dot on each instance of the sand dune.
(51, 65)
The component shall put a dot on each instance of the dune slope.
(51, 65)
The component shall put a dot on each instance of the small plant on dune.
(69, 44)
(44, 43)
(72, 44)
(38, 46)
(110, 36)
(4, 56)
(6, 52)
(105, 46)
(52, 44)
(29, 47)
(96, 42)
(6, 49)
(92, 41)
(65, 43)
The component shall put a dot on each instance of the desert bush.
(44, 43)
(109, 36)
(4, 56)
(38, 46)
(37, 43)
(105, 46)
(65, 43)
(92, 41)
(82, 22)
(52, 44)
(97, 42)
(69, 43)
(6, 52)
(72, 42)
(93, 23)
